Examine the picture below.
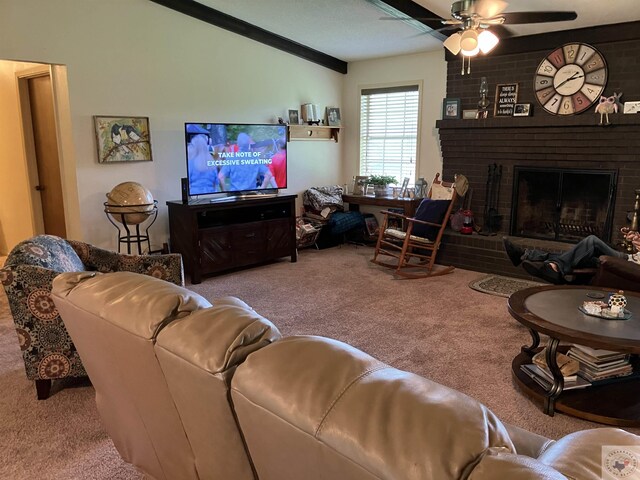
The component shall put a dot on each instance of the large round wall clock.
(570, 79)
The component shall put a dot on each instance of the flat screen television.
(235, 158)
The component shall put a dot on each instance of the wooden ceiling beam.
(219, 19)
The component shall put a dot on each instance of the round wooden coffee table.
(553, 310)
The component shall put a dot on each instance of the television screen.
(224, 157)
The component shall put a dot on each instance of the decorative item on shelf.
(470, 114)
(522, 110)
(333, 116)
(421, 188)
(360, 184)
(617, 302)
(122, 139)
(131, 204)
(451, 108)
(506, 98)
(381, 183)
(403, 188)
(294, 117)
(631, 107)
(310, 113)
(484, 102)
(608, 105)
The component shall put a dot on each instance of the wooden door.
(46, 151)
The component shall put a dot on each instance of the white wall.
(430, 69)
(138, 58)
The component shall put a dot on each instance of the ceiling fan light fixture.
(487, 41)
(469, 42)
(453, 43)
(470, 53)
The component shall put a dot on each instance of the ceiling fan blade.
(514, 18)
(420, 19)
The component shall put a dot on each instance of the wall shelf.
(313, 132)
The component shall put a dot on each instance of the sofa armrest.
(166, 267)
(30, 300)
(28, 289)
(526, 442)
(617, 273)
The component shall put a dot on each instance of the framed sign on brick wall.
(506, 98)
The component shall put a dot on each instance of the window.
(389, 131)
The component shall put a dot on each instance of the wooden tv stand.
(221, 235)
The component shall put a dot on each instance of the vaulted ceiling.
(351, 30)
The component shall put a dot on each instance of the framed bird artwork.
(122, 139)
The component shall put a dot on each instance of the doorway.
(48, 183)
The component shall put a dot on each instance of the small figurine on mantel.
(608, 105)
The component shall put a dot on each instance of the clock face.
(570, 79)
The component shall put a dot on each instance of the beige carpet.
(437, 327)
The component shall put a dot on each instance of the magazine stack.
(597, 365)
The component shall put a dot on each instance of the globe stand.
(120, 213)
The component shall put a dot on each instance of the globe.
(131, 199)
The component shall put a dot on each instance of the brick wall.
(470, 146)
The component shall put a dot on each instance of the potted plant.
(380, 184)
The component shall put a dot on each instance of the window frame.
(391, 86)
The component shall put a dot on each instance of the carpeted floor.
(437, 327)
(500, 285)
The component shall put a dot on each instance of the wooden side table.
(553, 311)
(408, 205)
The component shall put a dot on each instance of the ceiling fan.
(473, 20)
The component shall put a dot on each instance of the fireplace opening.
(564, 205)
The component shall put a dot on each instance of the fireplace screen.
(562, 204)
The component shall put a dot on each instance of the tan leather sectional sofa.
(187, 390)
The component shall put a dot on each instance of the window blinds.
(389, 131)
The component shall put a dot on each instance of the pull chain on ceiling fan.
(473, 19)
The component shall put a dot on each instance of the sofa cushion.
(119, 297)
(198, 355)
(579, 455)
(432, 211)
(335, 405)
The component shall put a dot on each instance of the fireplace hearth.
(562, 204)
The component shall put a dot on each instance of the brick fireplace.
(542, 141)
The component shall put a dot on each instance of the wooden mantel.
(584, 120)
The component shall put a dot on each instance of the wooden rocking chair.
(415, 247)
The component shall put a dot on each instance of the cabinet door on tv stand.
(279, 238)
(216, 250)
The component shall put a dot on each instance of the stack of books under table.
(597, 365)
(543, 377)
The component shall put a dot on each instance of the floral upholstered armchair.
(31, 266)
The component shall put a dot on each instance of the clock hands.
(572, 77)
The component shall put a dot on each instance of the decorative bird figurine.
(606, 106)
